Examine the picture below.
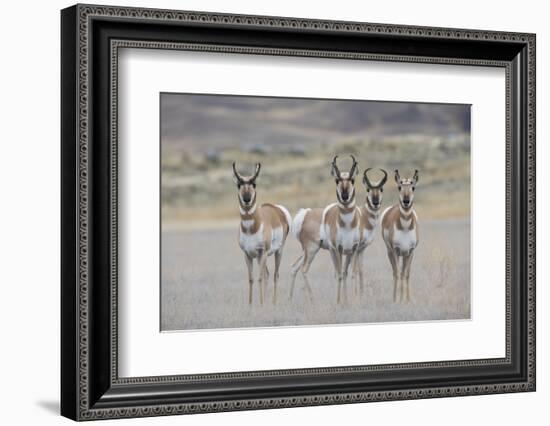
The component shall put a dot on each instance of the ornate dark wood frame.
(91, 37)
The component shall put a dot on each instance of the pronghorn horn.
(335, 170)
(256, 172)
(236, 173)
(415, 177)
(353, 169)
(383, 180)
(367, 182)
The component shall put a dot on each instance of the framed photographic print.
(263, 212)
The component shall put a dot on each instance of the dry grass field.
(205, 285)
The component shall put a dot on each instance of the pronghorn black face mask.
(374, 190)
(406, 189)
(246, 186)
(345, 182)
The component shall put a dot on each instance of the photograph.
(279, 212)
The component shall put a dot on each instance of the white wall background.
(29, 210)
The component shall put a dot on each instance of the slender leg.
(278, 256)
(349, 259)
(339, 272)
(407, 260)
(295, 268)
(262, 259)
(401, 290)
(354, 274)
(336, 262)
(310, 255)
(298, 261)
(393, 260)
(249, 266)
(266, 278)
(360, 270)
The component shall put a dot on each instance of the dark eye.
(399, 188)
(413, 188)
(253, 185)
(368, 189)
(239, 185)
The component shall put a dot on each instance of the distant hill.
(202, 123)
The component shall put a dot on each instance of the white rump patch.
(286, 213)
(298, 222)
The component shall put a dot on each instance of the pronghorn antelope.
(340, 224)
(400, 233)
(306, 227)
(262, 232)
(368, 222)
(309, 227)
